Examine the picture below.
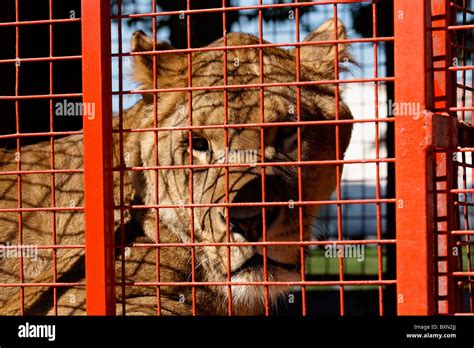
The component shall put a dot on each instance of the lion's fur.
(209, 185)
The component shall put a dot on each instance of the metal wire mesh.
(361, 193)
(29, 98)
(344, 255)
(462, 195)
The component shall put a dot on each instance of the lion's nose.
(248, 220)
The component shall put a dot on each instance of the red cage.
(420, 162)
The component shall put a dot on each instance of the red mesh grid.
(19, 24)
(363, 213)
(379, 242)
(462, 110)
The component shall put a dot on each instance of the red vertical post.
(444, 90)
(414, 163)
(98, 187)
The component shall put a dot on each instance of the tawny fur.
(318, 102)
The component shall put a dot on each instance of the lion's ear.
(321, 57)
(168, 65)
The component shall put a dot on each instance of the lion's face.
(234, 162)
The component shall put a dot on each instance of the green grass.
(318, 264)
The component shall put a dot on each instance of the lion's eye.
(200, 144)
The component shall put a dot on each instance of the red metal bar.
(444, 93)
(253, 125)
(246, 86)
(262, 45)
(39, 171)
(300, 178)
(242, 8)
(122, 160)
(460, 8)
(461, 27)
(156, 156)
(39, 59)
(377, 156)
(252, 204)
(42, 247)
(266, 164)
(45, 21)
(52, 161)
(464, 243)
(190, 137)
(40, 96)
(98, 189)
(462, 68)
(39, 134)
(340, 236)
(24, 210)
(414, 175)
(274, 243)
(267, 283)
(262, 149)
(32, 285)
(18, 150)
(226, 169)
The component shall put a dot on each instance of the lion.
(232, 163)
